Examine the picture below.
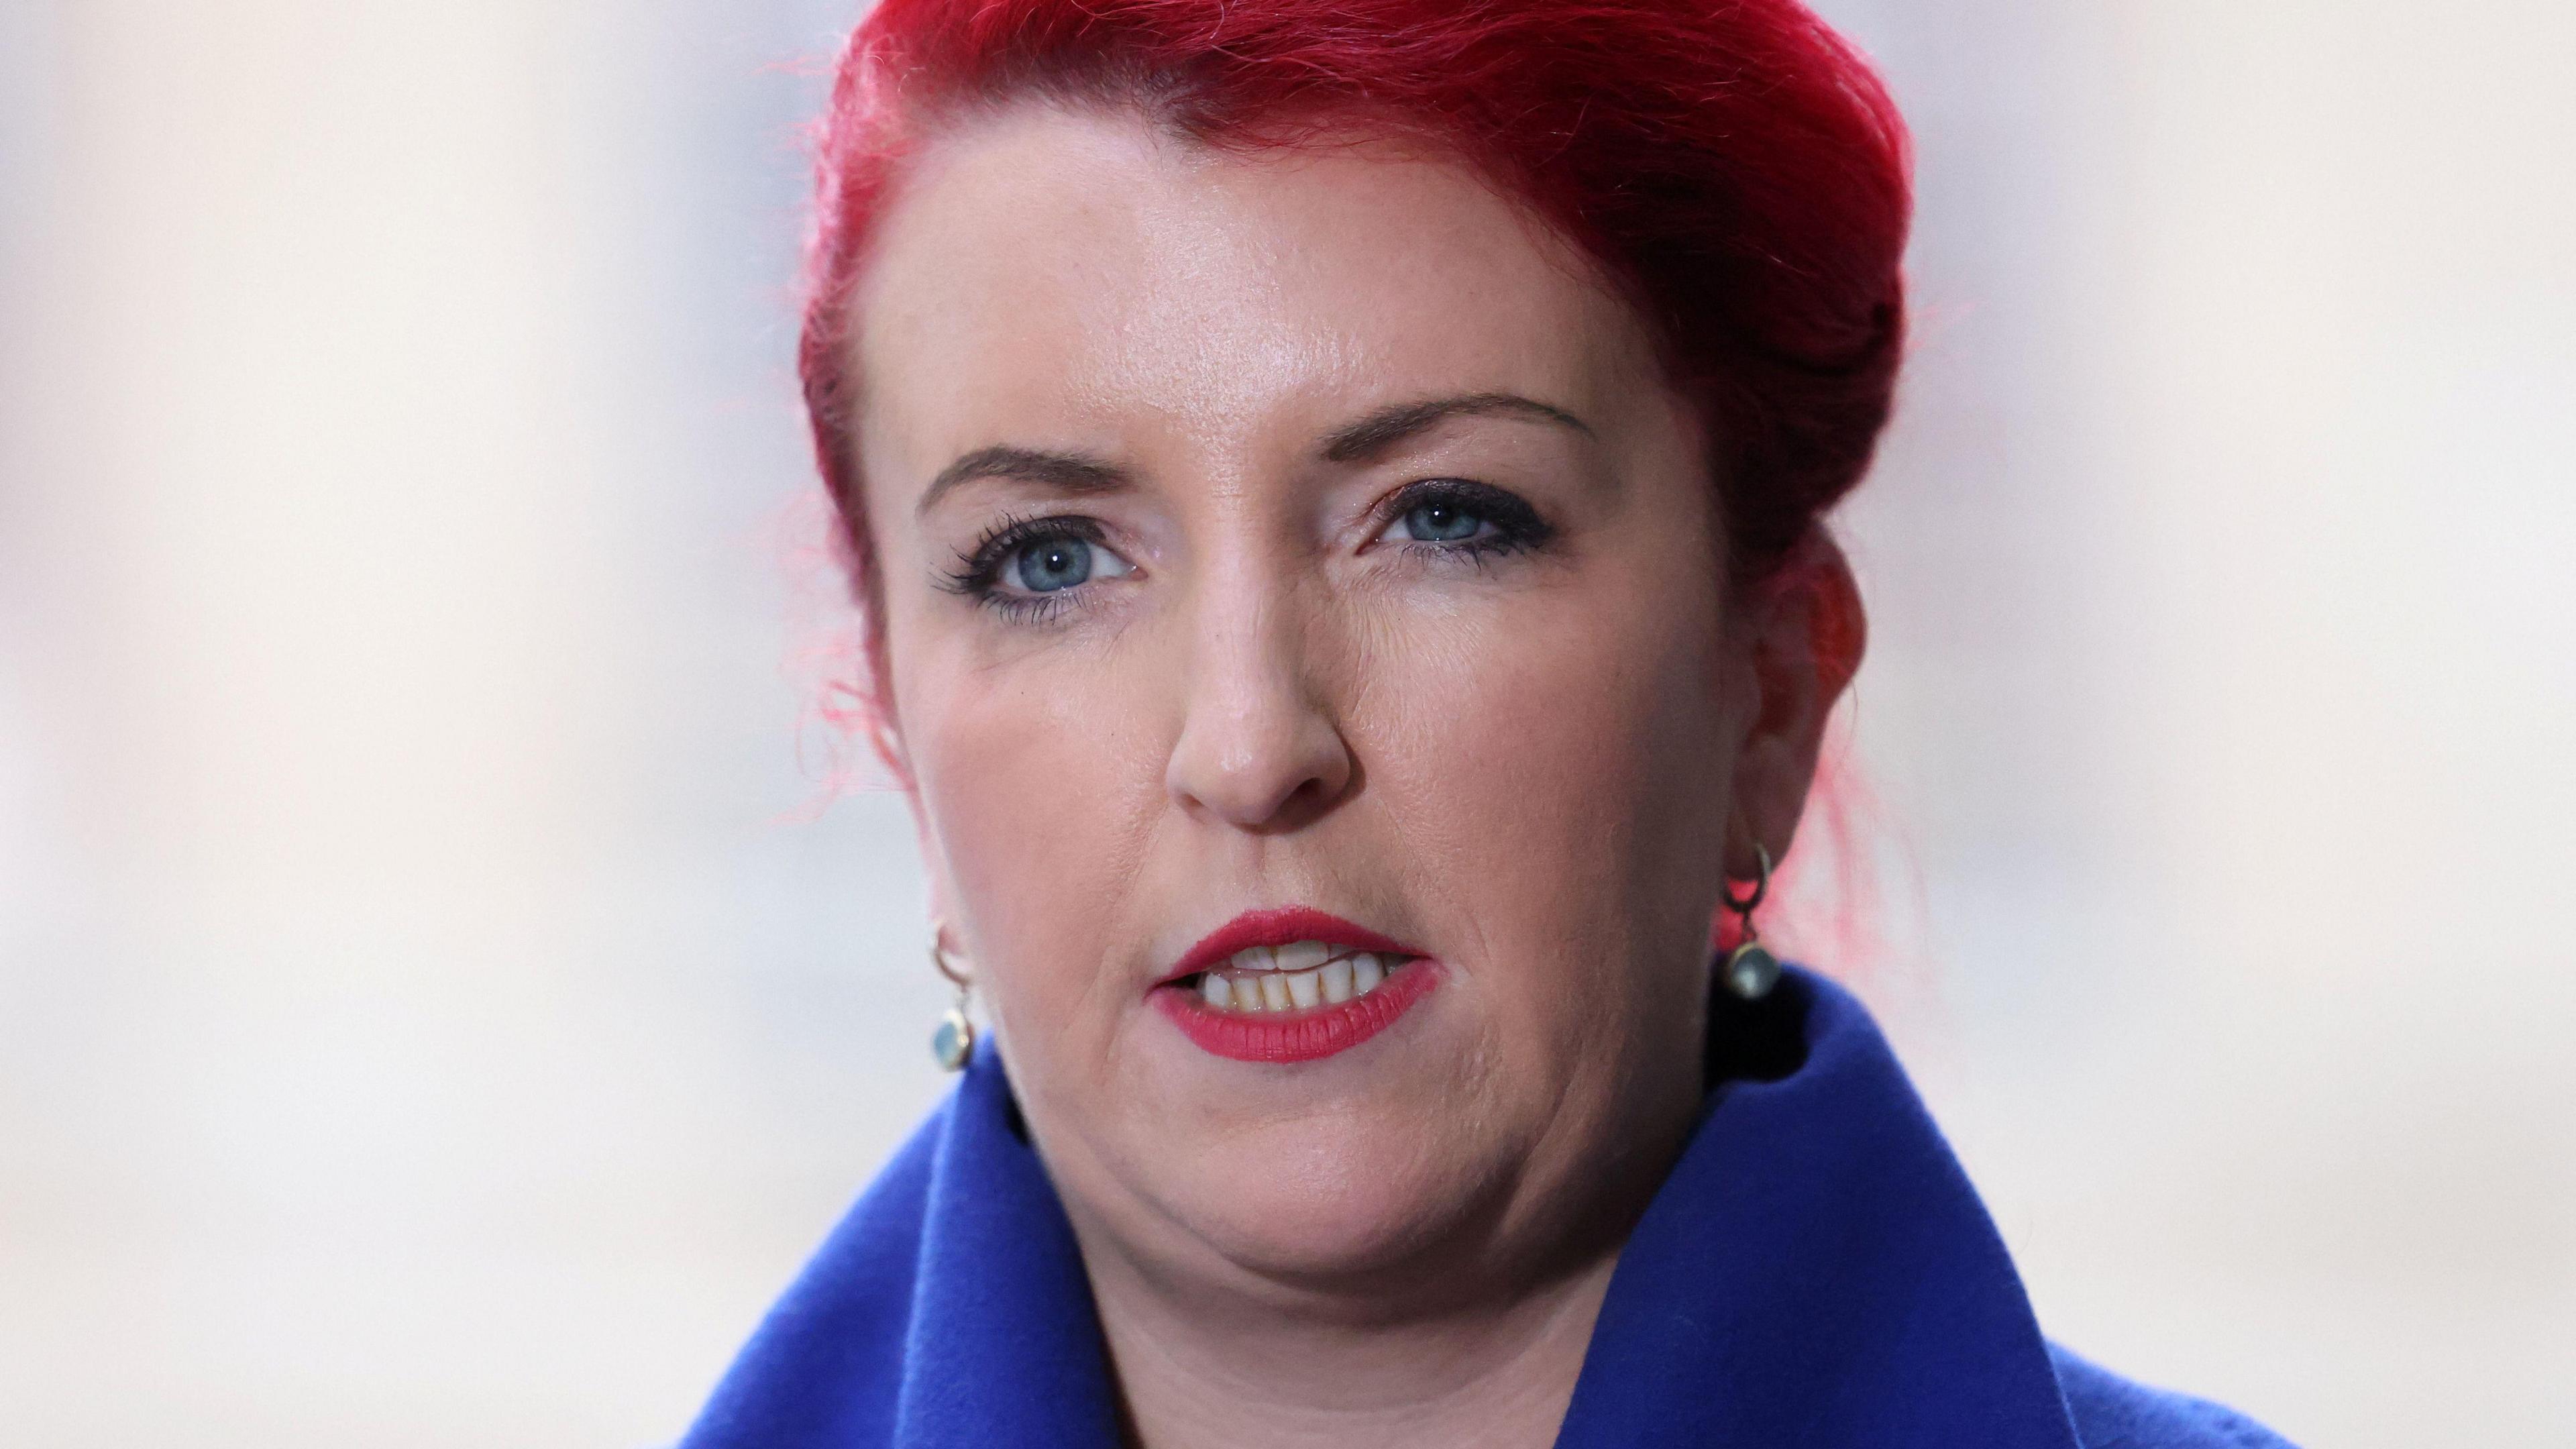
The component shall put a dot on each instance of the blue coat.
(1816, 1272)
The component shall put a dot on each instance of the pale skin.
(1275, 679)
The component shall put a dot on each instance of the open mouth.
(1285, 999)
(1299, 976)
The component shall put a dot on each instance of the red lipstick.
(1279, 926)
(1301, 1034)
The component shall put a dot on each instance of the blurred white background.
(431, 1012)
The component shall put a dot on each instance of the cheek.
(1038, 779)
(1561, 762)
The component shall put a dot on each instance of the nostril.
(1271, 770)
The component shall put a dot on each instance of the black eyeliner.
(1517, 526)
(979, 567)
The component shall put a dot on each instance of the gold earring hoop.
(1751, 970)
(952, 1042)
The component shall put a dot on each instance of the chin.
(1321, 1199)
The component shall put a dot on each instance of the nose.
(1259, 747)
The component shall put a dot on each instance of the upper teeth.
(1293, 977)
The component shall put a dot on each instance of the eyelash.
(980, 567)
(1516, 528)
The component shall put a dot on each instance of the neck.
(1497, 1373)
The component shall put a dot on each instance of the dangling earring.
(952, 1042)
(1751, 970)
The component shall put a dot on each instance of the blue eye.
(1440, 520)
(1051, 564)
(1028, 569)
(1461, 518)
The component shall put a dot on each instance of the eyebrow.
(1078, 474)
(1067, 472)
(1388, 426)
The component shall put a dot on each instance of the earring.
(952, 1042)
(1751, 970)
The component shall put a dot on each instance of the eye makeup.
(1458, 519)
(981, 571)
(1502, 522)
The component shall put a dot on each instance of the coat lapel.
(1817, 1270)
(1005, 1347)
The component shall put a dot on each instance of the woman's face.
(1301, 531)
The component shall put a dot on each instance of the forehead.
(1081, 273)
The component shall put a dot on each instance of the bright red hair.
(1734, 166)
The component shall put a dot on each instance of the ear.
(946, 928)
(1801, 631)
(875, 715)
(934, 866)
(887, 736)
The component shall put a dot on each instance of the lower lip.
(1303, 1036)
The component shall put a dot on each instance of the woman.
(1336, 490)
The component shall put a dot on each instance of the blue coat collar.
(1816, 1272)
